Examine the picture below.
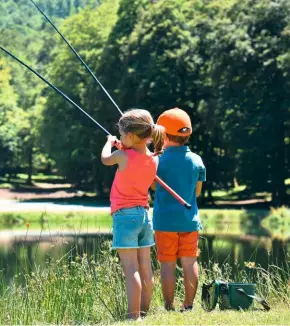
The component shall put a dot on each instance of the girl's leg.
(147, 279)
(130, 264)
(190, 269)
(168, 283)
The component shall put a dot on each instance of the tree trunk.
(98, 177)
(278, 169)
(30, 166)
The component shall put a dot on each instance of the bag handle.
(262, 301)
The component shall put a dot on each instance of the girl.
(132, 227)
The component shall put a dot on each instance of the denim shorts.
(132, 228)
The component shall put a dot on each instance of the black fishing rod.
(161, 182)
(77, 55)
(55, 88)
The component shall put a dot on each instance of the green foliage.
(26, 33)
(251, 86)
(225, 62)
(9, 124)
(68, 135)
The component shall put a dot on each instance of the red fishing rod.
(162, 183)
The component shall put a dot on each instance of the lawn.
(279, 315)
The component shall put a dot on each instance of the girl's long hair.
(140, 123)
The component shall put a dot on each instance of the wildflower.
(250, 264)
(27, 224)
(215, 267)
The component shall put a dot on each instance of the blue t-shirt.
(181, 170)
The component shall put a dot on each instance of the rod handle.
(173, 193)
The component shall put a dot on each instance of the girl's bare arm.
(109, 158)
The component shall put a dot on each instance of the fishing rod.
(161, 182)
(188, 206)
(77, 55)
(55, 88)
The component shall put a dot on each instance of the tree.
(9, 123)
(250, 38)
(70, 137)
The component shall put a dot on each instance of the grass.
(5, 185)
(224, 193)
(278, 223)
(40, 176)
(21, 178)
(236, 193)
(50, 220)
(211, 219)
(277, 316)
(91, 290)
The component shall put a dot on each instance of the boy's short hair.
(178, 139)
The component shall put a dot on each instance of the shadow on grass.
(75, 200)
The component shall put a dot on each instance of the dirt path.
(8, 194)
(44, 198)
(65, 194)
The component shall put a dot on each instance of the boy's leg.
(190, 269)
(130, 265)
(147, 279)
(168, 283)
(188, 252)
(167, 247)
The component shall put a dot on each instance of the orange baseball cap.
(176, 122)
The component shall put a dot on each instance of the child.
(132, 227)
(176, 229)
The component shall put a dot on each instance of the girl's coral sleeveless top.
(130, 186)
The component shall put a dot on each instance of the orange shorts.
(171, 245)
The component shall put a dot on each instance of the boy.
(176, 229)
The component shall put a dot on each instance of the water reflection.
(232, 237)
(25, 254)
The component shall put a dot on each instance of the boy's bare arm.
(198, 188)
(153, 186)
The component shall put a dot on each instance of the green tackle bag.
(230, 296)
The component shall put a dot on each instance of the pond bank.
(89, 289)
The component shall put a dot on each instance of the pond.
(234, 237)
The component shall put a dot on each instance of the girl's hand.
(118, 144)
(115, 142)
(112, 140)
